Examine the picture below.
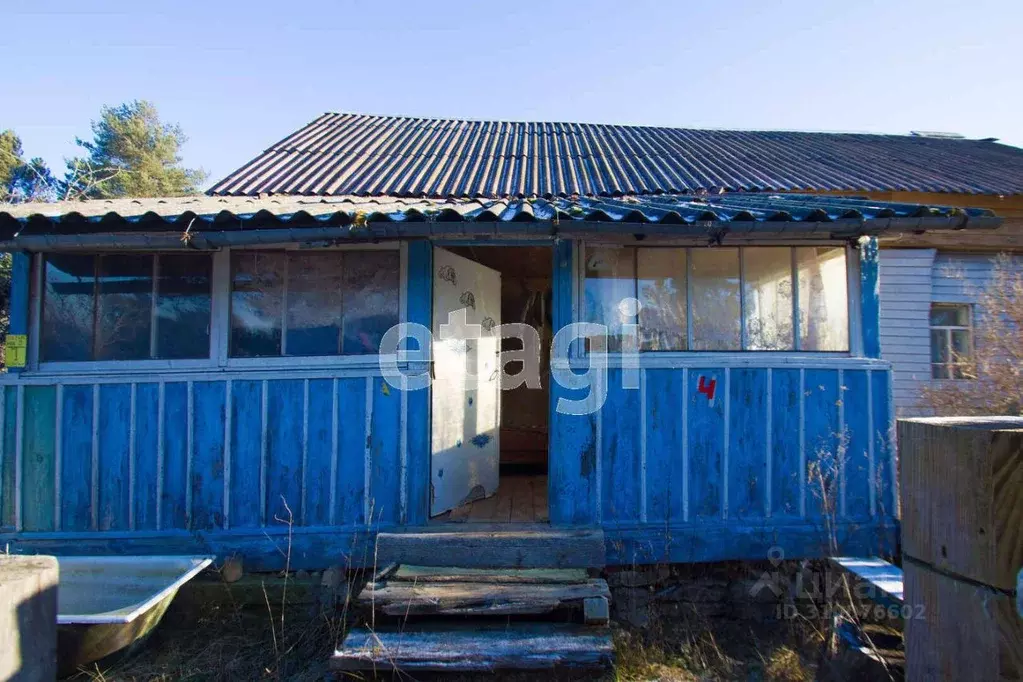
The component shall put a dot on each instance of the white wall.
(906, 283)
(911, 279)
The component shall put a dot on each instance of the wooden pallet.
(427, 591)
(475, 648)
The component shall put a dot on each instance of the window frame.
(852, 264)
(947, 333)
(220, 321)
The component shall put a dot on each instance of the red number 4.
(707, 387)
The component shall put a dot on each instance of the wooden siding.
(906, 278)
(912, 279)
(745, 463)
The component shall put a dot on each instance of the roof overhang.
(215, 222)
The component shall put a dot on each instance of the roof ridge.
(645, 126)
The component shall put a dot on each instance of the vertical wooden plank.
(284, 452)
(620, 453)
(884, 446)
(350, 486)
(785, 461)
(417, 419)
(870, 297)
(747, 464)
(113, 435)
(246, 430)
(664, 395)
(822, 441)
(386, 458)
(18, 301)
(855, 398)
(38, 458)
(208, 455)
(706, 441)
(147, 434)
(7, 483)
(573, 485)
(572, 462)
(76, 459)
(173, 496)
(318, 455)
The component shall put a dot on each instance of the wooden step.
(475, 648)
(527, 576)
(471, 547)
(402, 598)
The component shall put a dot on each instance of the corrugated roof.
(669, 213)
(352, 154)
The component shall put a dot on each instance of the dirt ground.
(227, 639)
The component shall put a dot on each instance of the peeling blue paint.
(458, 444)
(480, 440)
(470, 401)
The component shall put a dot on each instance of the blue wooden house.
(214, 374)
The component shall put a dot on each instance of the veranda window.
(294, 303)
(125, 307)
(720, 299)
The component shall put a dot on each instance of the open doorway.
(521, 457)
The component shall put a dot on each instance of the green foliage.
(21, 179)
(133, 153)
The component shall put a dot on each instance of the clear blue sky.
(240, 76)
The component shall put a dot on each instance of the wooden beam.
(523, 646)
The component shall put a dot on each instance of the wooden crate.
(962, 495)
(957, 630)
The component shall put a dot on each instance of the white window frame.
(852, 264)
(220, 321)
(947, 332)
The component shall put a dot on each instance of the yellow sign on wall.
(16, 346)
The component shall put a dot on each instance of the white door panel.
(466, 395)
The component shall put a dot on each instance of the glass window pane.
(961, 346)
(315, 285)
(714, 298)
(939, 372)
(124, 307)
(371, 287)
(939, 345)
(950, 316)
(767, 293)
(183, 306)
(823, 298)
(68, 308)
(610, 277)
(257, 296)
(661, 285)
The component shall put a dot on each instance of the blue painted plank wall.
(246, 453)
(747, 444)
(664, 426)
(706, 414)
(284, 434)
(76, 459)
(146, 466)
(114, 432)
(620, 455)
(174, 497)
(786, 427)
(319, 455)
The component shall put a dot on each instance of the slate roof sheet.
(362, 155)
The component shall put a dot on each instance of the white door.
(466, 408)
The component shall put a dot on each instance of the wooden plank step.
(487, 548)
(440, 574)
(399, 598)
(475, 648)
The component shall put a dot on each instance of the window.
(304, 303)
(125, 307)
(721, 299)
(951, 341)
